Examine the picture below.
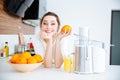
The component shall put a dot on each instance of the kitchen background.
(94, 14)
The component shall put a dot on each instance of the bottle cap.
(6, 42)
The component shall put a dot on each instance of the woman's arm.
(48, 51)
(58, 55)
(48, 55)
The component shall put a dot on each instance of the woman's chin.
(49, 34)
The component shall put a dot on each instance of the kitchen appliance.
(18, 7)
(19, 48)
(89, 55)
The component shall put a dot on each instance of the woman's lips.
(47, 31)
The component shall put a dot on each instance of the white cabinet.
(34, 18)
(36, 10)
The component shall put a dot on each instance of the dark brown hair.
(51, 14)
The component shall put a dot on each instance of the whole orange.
(21, 60)
(66, 28)
(38, 57)
(26, 54)
(31, 60)
(14, 58)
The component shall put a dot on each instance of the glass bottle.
(31, 47)
(6, 49)
(2, 50)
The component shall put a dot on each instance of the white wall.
(94, 14)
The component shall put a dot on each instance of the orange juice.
(67, 64)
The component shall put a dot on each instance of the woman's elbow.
(58, 65)
(47, 65)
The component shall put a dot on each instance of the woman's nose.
(49, 26)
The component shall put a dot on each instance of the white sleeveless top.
(40, 46)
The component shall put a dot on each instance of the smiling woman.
(50, 40)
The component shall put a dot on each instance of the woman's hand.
(61, 35)
(46, 37)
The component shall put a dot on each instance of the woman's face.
(49, 25)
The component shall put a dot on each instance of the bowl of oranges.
(24, 62)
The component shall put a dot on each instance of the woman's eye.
(53, 24)
(45, 23)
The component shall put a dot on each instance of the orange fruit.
(21, 60)
(31, 60)
(26, 55)
(66, 28)
(14, 58)
(38, 57)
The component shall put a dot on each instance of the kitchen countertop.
(7, 72)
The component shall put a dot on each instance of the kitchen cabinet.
(36, 10)
(9, 24)
(35, 13)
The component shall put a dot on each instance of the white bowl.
(25, 67)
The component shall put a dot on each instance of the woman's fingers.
(69, 32)
(46, 37)
(64, 34)
(42, 34)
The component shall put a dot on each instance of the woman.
(50, 39)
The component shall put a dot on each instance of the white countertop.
(7, 72)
